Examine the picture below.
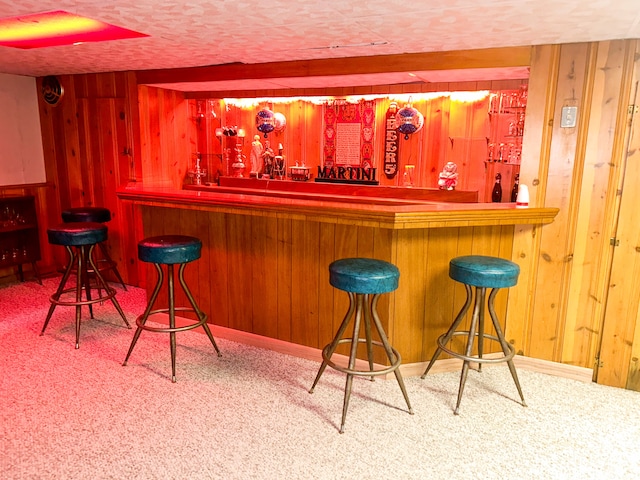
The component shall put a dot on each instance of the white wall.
(21, 155)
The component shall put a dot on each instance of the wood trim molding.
(463, 59)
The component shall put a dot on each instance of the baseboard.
(274, 344)
(408, 370)
(524, 363)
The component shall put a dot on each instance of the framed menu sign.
(348, 142)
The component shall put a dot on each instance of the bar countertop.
(365, 211)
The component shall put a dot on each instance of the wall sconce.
(200, 110)
(230, 132)
(204, 109)
(210, 108)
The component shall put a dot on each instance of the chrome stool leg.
(111, 264)
(172, 329)
(201, 315)
(80, 261)
(447, 336)
(143, 318)
(506, 348)
(63, 282)
(361, 307)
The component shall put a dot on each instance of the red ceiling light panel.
(57, 28)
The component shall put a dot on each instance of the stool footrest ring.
(170, 329)
(362, 373)
(472, 358)
(55, 298)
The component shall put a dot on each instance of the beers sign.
(391, 143)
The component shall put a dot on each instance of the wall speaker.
(52, 91)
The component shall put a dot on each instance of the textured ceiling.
(209, 32)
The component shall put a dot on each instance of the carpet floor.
(80, 414)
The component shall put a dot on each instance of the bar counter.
(264, 266)
(380, 212)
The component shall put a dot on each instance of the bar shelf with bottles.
(506, 114)
(206, 168)
(19, 240)
(506, 125)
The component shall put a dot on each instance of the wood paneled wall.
(573, 309)
(619, 355)
(91, 148)
(576, 301)
(166, 144)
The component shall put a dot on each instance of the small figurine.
(279, 165)
(256, 156)
(448, 178)
(496, 193)
(267, 157)
(514, 191)
(238, 165)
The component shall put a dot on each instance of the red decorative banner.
(368, 109)
(392, 145)
(330, 134)
(348, 134)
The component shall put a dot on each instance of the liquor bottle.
(496, 194)
(514, 191)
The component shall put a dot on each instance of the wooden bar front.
(264, 267)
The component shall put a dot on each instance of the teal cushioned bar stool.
(364, 280)
(97, 215)
(80, 238)
(170, 250)
(481, 272)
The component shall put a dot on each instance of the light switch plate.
(569, 116)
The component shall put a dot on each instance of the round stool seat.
(86, 214)
(169, 249)
(363, 275)
(483, 271)
(77, 233)
(97, 215)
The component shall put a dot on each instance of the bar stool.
(80, 238)
(360, 278)
(170, 250)
(481, 272)
(98, 215)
